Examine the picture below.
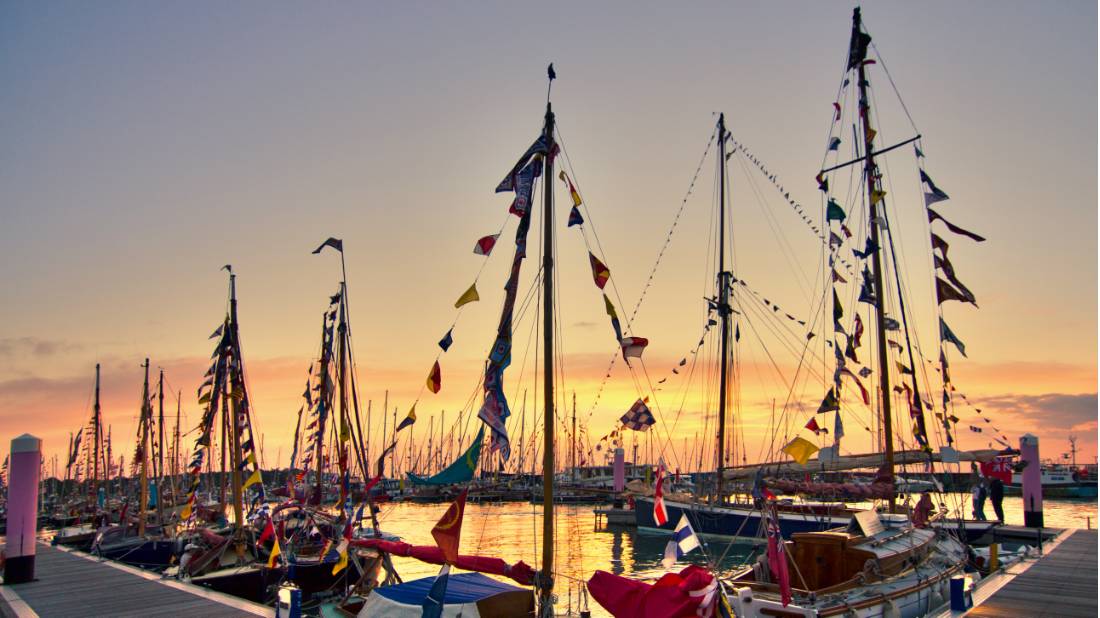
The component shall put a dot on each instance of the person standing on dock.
(996, 497)
(977, 496)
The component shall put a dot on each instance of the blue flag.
(432, 607)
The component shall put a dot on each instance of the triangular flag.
(449, 528)
(575, 217)
(335, 243)
(409, 419)
(813, 426)
(435, 380)
(468, 296)
(829, 403)
(833, 211)
(275, 551)
(947, 335)
(600, 272)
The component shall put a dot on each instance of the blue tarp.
(461, 588)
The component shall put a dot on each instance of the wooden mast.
(859, 42)
(160, 449)
(176, 448)
(143, 486)
(236, 380)
(97, 438)
(723, 309)
(322, 406)
(546, 585)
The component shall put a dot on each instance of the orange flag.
(600, 272)
(447, 531)
(435, 379)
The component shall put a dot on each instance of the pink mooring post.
(1031, 480)
(620, 470)
(26, 456)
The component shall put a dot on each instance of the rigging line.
(890, 78)
(660, 255)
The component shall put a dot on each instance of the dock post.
(26, 457)
(1031, 481)
(620, 471)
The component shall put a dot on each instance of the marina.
(758, 340)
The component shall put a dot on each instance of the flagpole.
(869, 170)
(723, 309)
(546, 583)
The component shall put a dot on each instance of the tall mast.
(573, 441)
(143, 486)
(96, 441)
(723, 308)
(859, 42)
(160, 448)
(342, 369)
(322, 406)
(547, 584)
(236, 380)
(176, 447)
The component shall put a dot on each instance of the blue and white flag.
(432, 607)
(683, 541)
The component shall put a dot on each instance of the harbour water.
(512, 531)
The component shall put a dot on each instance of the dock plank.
(70, 584)
(1062, 584)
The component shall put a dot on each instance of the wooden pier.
(70, 583)
(1062, 584)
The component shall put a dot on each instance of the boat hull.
(744, 523)
(154, 555)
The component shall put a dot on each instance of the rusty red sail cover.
(519, 572)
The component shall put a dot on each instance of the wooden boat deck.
(71, 583)
(1061, 584)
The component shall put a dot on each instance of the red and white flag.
(660, 515)
(633, 347)
(485, 244)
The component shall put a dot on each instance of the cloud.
(33, 346)
(583, 324)
(1050, 411)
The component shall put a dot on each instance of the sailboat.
(136, 542)
(86, 454)
(225, 560)
(719, 518)
(848, 561)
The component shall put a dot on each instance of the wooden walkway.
(1061, 584)
(74, 584)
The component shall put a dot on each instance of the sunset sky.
(147, 144)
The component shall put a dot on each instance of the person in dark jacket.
(997, 497)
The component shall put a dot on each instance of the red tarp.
(670, 597)
(519, 572)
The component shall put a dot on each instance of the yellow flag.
(871, 133)
(205, 398)
(252, 480)
(275, 551)
(185, 514)
(342, 563)
(800, 450)
(609, 307)
(876, 196)
(468, 296)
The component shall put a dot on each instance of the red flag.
(269, 531)
(600, 272)
(447, 531)
(660, 515)
(777, 557)
(435, 379)
(999, 468)
(812, 426)
(485, 244)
